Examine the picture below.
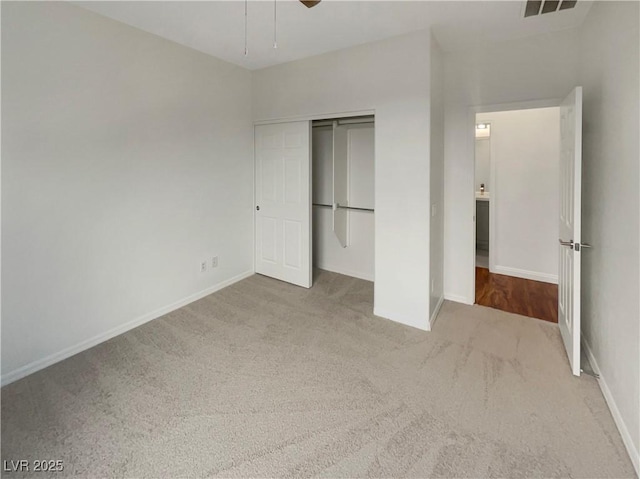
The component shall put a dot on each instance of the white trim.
(319, 116)
(434, 316)
(253, 197)
(471, 145)
(456, 298)
(346, 272)
(102, 337)
(492, 204)
(406, 320)
(526, 274)
(634, 454)
(309, 203)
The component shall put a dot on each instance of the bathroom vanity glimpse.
(482, 221)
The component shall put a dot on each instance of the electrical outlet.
(203, 267)
(214, 262)
(434, 209)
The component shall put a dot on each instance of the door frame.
(471, 148)
(309, 118)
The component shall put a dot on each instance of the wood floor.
(516, 295)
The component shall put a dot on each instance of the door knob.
(567, 243)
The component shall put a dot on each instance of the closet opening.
(343, 196)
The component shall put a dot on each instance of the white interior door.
(570, 238)
(340, 183)
(283, 201)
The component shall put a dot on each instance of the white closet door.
(340, 183)
(283, 202)
(570, 228)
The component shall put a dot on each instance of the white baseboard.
(346, 272)
(634, 454)
(398, 318)
(456, 298)
(434, 316)
(100, 338)
(523, 273)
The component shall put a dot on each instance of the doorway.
(517, 159)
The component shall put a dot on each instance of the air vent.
(548, 6)
(537, 7)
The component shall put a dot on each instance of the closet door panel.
(283, 201)
(323, 165)
(361, 166)
(340, 183)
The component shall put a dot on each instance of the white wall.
(127, 160)
(357, 259)
(392, 78)
(602, 56)
(528, 69)
(483, 163)
(525, 159)
(436, 180)
(611, 209)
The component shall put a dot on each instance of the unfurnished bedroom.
(332, 239)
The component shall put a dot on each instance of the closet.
(314, 193)
(343, 196)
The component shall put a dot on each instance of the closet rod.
(320, 124)
(344, 207)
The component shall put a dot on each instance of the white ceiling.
(217, 27)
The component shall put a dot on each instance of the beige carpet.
(264, 379)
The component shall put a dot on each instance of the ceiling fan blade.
(310, 3)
